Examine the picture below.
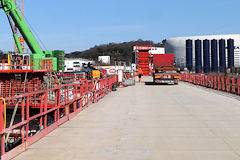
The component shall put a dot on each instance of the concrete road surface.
(148, 122)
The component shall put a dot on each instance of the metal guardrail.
(23, 65)
(221, 83)
(51, 108)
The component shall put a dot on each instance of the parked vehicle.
(164, 70)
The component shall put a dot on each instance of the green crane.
(57, 57)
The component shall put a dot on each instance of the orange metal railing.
(52, 108)
(23, 65)
(13, 87)
(229, 84)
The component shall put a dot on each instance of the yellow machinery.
(95, 73)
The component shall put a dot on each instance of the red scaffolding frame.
(143, 57)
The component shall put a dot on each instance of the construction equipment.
(96, 73)
(20, 6)
(164, 70)
(39, 61)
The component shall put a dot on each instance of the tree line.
(3, 55)
(117, 51)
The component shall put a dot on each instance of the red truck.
(164, 70)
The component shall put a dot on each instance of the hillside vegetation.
(3, 55)
(117, 51)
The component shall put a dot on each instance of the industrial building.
(75, 64)
(178, 47)
(104, 59)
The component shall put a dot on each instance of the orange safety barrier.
(227, 84)
(221, 83)
(233, 85)
(238, 86)
(51, 108)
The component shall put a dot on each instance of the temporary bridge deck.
(162, 122)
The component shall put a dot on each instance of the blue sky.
(76, 25)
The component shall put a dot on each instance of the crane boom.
(20, 6)
(11, 10)
(38, 57)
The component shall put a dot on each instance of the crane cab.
(19, 61)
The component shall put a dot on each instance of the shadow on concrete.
(156, 84)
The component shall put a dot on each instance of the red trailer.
(164, 70)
